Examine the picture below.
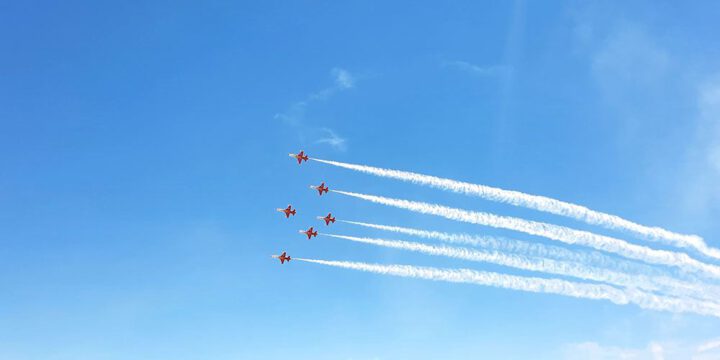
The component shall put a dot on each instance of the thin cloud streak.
(478, 70)
(709, 345)
(333, 139)
(342, 80)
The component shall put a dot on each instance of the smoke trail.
(664, 285)
(540, 203)
(539, 250)
(532, 284)
(550, 231)
(517, 246)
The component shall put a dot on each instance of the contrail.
(663, 285)
(532, 284)
(550, 231)
(517, 246)
(540, 203)
(539, 250)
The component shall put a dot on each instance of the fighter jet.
(282, 257)
(320, 188)
(309, 232)
(288, 211)
(328, 219)
(300, 157)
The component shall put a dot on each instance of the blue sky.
(143, 153)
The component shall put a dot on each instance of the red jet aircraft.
(283, 257)
(288, 211)
(328, 219)
(321, 188)
(300, 157)
(309, 232)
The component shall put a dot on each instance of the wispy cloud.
(709, 345)
(342, 80)
(654, 350)
(333, 139)
(594, 351)
(491, 70)
(653, 87)
(295, 114)
(632, 71)
(704, 162)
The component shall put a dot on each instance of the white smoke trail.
(516, 246)
(689, 285)
(661, 284)
(550, 231)
(540, 203)
(532, 284)
(692, 285)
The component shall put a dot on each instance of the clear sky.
(143, 151)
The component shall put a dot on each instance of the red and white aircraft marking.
(300, 157)
(282, 257)
(288, 211)
(309, 232)
(320, 188)
(328, 219)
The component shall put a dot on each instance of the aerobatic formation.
(682, 277)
